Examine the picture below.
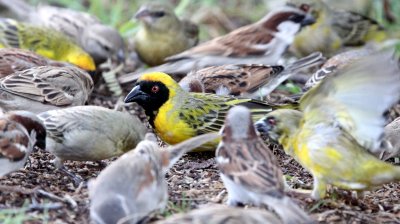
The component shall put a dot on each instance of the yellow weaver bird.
(334, 29)
(43, 41)
(341, 120)
(178, 115)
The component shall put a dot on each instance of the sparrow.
(45, 88)
(20, 132)
(134, 185)
(14, 59)
(99, 40)
(161, 33)
(249, 80)
(340, 124)
(90, 133)
(262, 42)
(220, 214)
(249, 170)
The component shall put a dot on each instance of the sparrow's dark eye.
(271, 121)
(296, 18)
(158, 14)
(304, 7)
(155, 89)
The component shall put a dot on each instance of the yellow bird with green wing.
(340, 125)
(178, 115)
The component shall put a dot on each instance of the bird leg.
(319, 190)
(76, 179)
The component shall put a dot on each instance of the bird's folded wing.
(43, 84)
(249, 40)
(251, 168)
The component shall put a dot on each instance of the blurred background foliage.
(215, 17)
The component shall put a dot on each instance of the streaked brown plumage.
(15, 59)
(45, 88)
(250, 171)
(20, 131)
(236, 79)
(262, 42)
(243, 79)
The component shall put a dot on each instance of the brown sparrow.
(134, 185)
(15, 59)
(20, 131)
(244, 80)
(249, 170)
(262, 42)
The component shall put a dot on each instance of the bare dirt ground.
(46, 195)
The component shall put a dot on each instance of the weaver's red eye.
(155, 89)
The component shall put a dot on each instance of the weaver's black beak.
(308, 20)
(136, 95)
(262, 127)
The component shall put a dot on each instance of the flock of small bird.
(213, 96)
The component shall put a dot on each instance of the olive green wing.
(206, 112)
(20, 35)
(356, 98)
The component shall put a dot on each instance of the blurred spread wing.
(206, 112)
(356, 98)
(47, 84)
(250, 164)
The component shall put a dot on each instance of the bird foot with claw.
(304, 193)
(76, 179)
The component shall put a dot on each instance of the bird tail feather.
(303, 63)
